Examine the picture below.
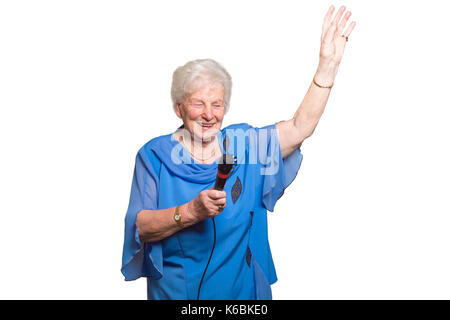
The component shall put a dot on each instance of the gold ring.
(346, 38)
(220, 208)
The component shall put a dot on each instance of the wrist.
(326, 72)
(328, 65)
(186, 213)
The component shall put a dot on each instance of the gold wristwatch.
(177, 217)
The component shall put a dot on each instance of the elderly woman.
(169, 236)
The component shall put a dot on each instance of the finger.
(350, 29)
(220, 202)
(327, 19)
(344, 22)
(214, 209)
(216, 194)
(339, 14)
(329, 36)
(331, 32)
(220, 205)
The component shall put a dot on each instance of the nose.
(207, 112)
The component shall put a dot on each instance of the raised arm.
(293, 132)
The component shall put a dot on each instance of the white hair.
(196, 74)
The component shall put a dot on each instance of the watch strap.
(177, 217)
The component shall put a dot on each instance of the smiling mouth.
(206, 126)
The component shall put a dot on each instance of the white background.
(84, 84)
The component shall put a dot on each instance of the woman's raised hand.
(334, 37)
(208, 204)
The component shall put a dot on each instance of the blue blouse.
(241, 267)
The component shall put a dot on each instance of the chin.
(206, 137)
(210, 133)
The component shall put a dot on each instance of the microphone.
(224, 167)
(223, 171)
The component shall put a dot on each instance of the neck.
(204, 151)
(198, 144)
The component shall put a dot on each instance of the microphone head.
(226, 143)
(226, 164)
(227, 161)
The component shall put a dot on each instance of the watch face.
(177, 217)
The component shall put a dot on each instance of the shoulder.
(155, 144)
(150, 153)
(244, 130)
(246, 126)
(242, 126)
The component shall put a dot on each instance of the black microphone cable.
(209, 260)
(225, 167)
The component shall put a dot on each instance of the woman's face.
(202, 112)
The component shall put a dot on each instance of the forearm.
(155, 225)
(293, 132)
(311, 109)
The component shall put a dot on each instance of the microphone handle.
(220, 183)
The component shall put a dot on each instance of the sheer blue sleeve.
(141, 259)
(278, 172)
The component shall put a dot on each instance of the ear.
(178, 110)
